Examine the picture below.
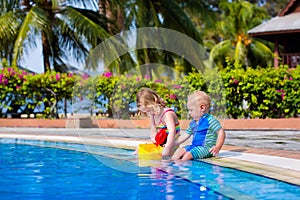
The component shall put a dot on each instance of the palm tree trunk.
(102, 10)
(120, 19)
(113, 13)
(46, 52)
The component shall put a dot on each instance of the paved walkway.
(271, 153)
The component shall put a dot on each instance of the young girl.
(162, 119)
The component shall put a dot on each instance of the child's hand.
(214, 150)
(166, 152)
(176, 143)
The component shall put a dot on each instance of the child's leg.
(187, 156)
(199, 152)
(178, 153)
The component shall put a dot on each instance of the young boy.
(208, 134)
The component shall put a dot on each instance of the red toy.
(161, 137)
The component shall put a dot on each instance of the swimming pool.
(36, 170)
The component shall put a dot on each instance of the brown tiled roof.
(285, 24)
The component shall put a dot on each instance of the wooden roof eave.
(274, 32)
(286, 9)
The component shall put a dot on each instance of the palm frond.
(81, 20)
(130, 16)
(260, 54)
(70, 42)
(9, 26)
(219, 52)
(35, 18)
(177, 19)
(200, 9)
(92, 4)
(240, 53)
(8, 5)
(220, 49)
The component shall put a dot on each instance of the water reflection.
(169, 177)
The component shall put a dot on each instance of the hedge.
(235, 93)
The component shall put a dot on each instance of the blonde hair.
(201, 98)
(148, 97)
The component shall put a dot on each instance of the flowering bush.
(262, 93)
(49, 89)
(12, 94)
(240, 93)
(104, 90)
(127, 86)
(21, 91)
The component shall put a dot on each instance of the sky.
(34, 61)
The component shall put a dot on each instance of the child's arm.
(220, 141)
(152, 129)
(170, 121)
(182, 138)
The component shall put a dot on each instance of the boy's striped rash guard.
(204, 136)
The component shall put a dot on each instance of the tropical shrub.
(22, 92)
(124, 95)
(263, 92)
(235, 92)
(50, 88)
(12, 93)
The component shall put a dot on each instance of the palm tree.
(237, 18)
(177, 15)
(63, 30)
(171, 14)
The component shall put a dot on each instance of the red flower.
(147, 76)
(177, 86)
(107, 74)
(57, 77)
(85, 76)
(173, 96)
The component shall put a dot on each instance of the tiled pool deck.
(275, 154)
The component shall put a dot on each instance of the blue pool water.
(35, 172)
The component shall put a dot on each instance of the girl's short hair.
(146, 97)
